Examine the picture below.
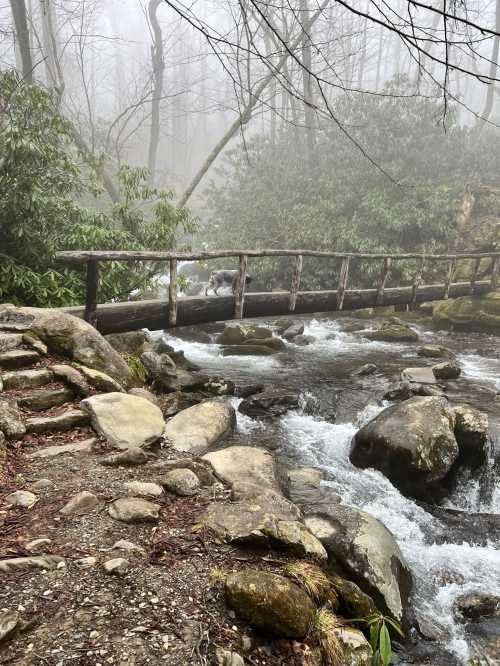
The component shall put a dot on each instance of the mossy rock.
(470, 312)
(392, 332)
(270, 602)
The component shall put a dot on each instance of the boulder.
(291, 332)
(100, 380)
(353, 601)
(391, 332)
(412, 443)
(272, 501)
(367, 551)
(161, 370)
(270, 602)
(69, 336)
(45, 398)
(70, 418)
(125, 420)
(446, 370)
(469, 312)
(196, 429)
(134, 510)
(144, 393)
(274, 343)
(11, 421)
(232, 335)
(244, 463)
(80, 504)
(302, 482)
(182, 482)
(270, 402)
(132, 342)
(434, 351)
(73, 378)
(471, 432)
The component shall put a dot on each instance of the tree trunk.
(490, 95)
(158, 66)
(246, 113)
(306, 77)
(23, 38)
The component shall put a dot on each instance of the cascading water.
(442, 569)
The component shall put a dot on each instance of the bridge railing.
(92, 259)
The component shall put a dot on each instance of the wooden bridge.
(162, 314)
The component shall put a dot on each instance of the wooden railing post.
(91, 294)
(297, 273)
(239, 294)
(452, 267)
(386, 271)
(343, 277)
(417, 280)
(172, 294)
(475, 272)
(494, 273)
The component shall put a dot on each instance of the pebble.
(143, 489)
(89, 561)
(22, 498)
(117, 566)
(123, 544)
(79, 504)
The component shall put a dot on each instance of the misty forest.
(249, 332)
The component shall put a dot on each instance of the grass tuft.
(325, 625)
(315, 582)
(136, 367)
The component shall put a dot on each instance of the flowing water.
(445, 565)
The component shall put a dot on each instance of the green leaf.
(385, 645)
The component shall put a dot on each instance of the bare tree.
(158, 67)
(23, 37)
(490, 94)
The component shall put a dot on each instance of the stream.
(445, 564)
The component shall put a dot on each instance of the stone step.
(42, 399)
(57, 450)
(22, 379)
(9, 341)
(65, 421)
(18, 358)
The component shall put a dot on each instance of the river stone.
(364, 370)
(447, 370)
(356, 649)
(412, 443)
(418, 375)
(250, 349)
(143, 489)
(69, 336)
(471, 432)
(244, 463)
(125, 420)
(202, 468)
(22, 498)
(33, 562)
(476, 605)
(23, 379)
(271, 500)
(271, 402)
(391, 332)
(271, 342)
(297, 539)
(181, 482)
(406, 389)
(9, 620)
(434, 351)
(134, 510)
(196, 429)
(369, 554)
(100, 380)
(231, 335)
(297, 328)
(82, 503)
(469, 312)
(11, 420)
(118, 566)
(270, 602)
(131, 342)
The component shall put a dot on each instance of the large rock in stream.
(195, 429)
(369, 555)
(469, 312)
(69, 336)
(244, 464)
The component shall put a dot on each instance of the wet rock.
(143, 489)
(350, 325)
(219, 386)
(100, 380)
(406, 389)
(471, 432)
(9, 621)
(303, 340)
(22, 498)
(69, 419)
(173, 403)
(180, 360)
(11, 420)
(161, 370)
(69, 336)
(181, 482)
(476, 605)
(447, 370)
(73, 378)
(434, 351)
(356, 649)
(42, 399)
(34, 562)
(248, 350)
(228, 658)
(195, 429)
(271, 402)
(18, 358)
(369, 554)
(202, 468)
(131, 456)
(270, 602)
(391, 332)
(248, 390)
(131, 342)
(232, 335)
(244, 463)
(144, 393)
(367, 369)
(412, 443)
(353, 601)
(82, 503)
(118, 566)
(272, 342)
(125, 420)
(253, 332)
(134, 510)
(24, 379)
(191, 381)
(292, 331)
(418, 375)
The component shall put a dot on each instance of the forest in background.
(304, 124)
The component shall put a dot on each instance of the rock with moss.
(472, 433)
(353, 601)
(392, 332)
(68, 336)
(132, 342)
(271, 402)
(470, 312)
(270, 602)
